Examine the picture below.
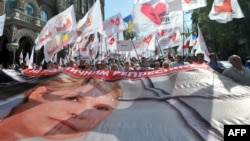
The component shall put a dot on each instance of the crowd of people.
(238, 72)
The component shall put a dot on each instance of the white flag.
(27, 58)
(45, 35)
(148, 16)
(92, 21)
(21, 57)
(185, 5)
(224, 11)
(201, 46)
(31, 60)
(2, 21)
(75, 51)
(52, 47)
(193, 4)
(143, 46)
(65, 21)
(113, 25)
(169, 37)
(112, 43)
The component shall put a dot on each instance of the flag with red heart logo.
(224, 11)
(149, 15)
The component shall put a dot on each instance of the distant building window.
(29, 10)
(10, 5)
(44, 16)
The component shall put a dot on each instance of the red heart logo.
(67, 23)
(173, 36)
(187, 1)
(161, 33)
(226, 7)
(112, 40)
(85, 48)
(115, 21)
(148, 39)
(154, 14)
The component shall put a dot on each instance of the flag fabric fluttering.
(184, 48)
(149, 41)
(169, 37)
(143, 46)
(193, 4)
(64, 22)
(112, 43)
(27, 58)
(81, 46)
(45, 35)
(31, 60)
(129, 20)
(2, 21)
(201, 46)
(92, 21)
(224, 11)
(75, 51)
(52, 47)
(113, 25)
(193, 40)
(185, 5)
(21, 57)
(150, 15)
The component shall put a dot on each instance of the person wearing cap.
(99, 65)
(215, 64)
(200, 58)
(237, 71)
(179, 61)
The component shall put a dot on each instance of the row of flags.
(161, 19)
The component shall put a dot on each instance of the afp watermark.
(237, 132)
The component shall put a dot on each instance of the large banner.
(188, 103)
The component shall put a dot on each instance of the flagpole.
(159, 45)
(106, 46)
(183, 58)
(36, 57)
(135, 49)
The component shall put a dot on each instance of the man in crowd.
(237, 72)
(145, 65)
(200, 58)
(179, 61)
(215, 64)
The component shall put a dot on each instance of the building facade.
(24, 21)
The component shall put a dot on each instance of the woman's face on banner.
(66, 114)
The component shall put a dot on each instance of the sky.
(113, 7)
